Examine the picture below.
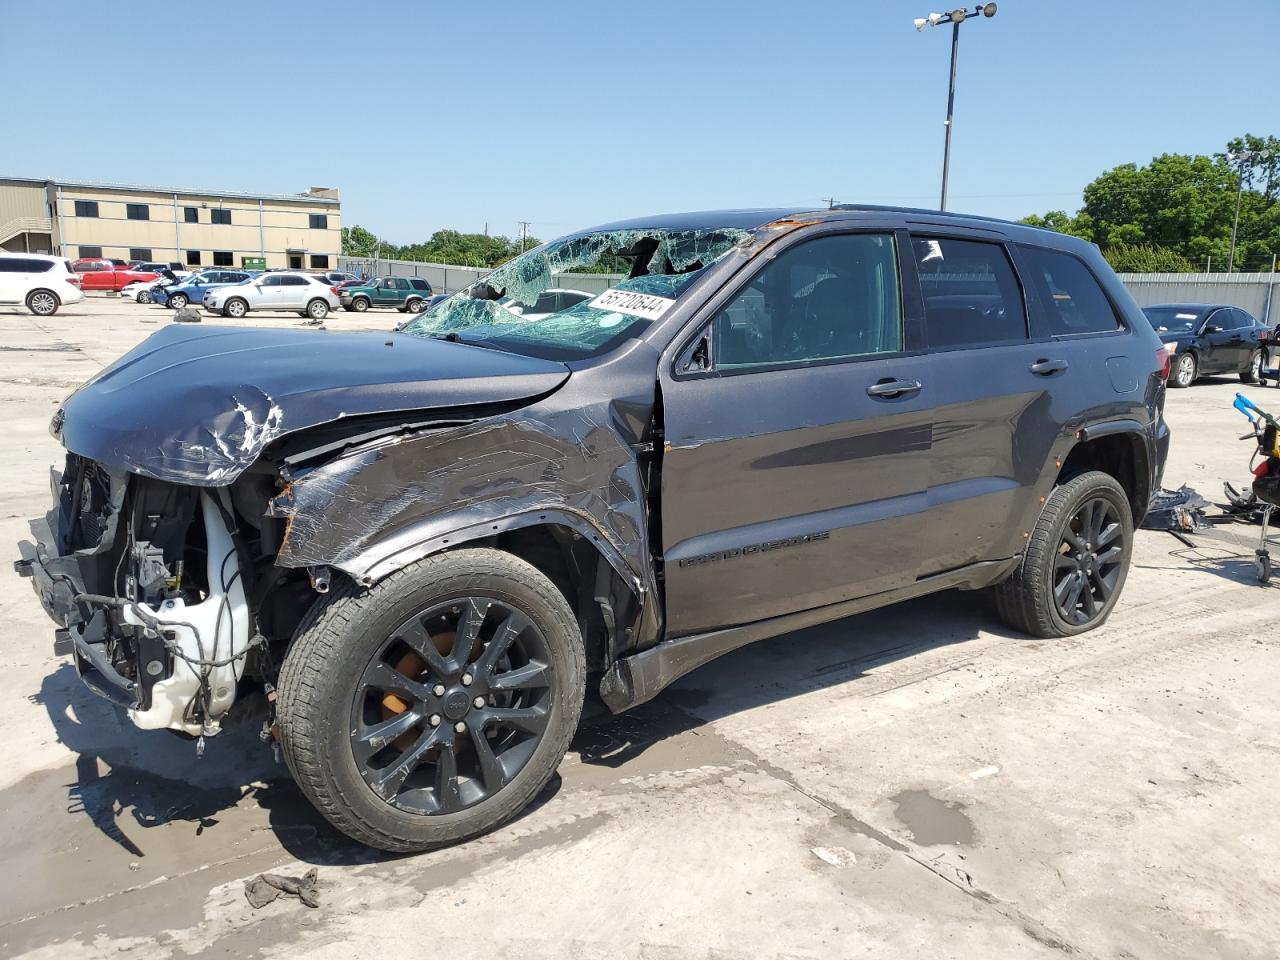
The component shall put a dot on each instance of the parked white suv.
(42, 282)
(299, 292)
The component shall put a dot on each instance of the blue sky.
(431, 114)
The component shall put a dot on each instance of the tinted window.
(12, 265)
(273, 281)
(191, 214)
(319, 261)
(402, 284)
(294, 281)
(971, 294)
(1074, 301)
(24, 265)
(219, 216)
(137, 211)
(86, 208)
(830, 297)
(223, 258)
(419, 284)
(193, 258)
(91, 252)
(319, 221)
(1241, 320)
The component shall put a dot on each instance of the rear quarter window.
(1074, 301)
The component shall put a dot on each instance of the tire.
(144, 296)
(1185, 370)
(235, 308)
(359, 304)
(43, 303)
(1032, 599)
(413, 305)
(1262, 568)
(1250, 373)
(348, 308)
(336, 722)
(177, 301)
(317, 309)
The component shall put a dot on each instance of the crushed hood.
(197, 405)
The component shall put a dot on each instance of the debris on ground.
(186, 315)
(836, 856)
(1178, 511)
(266, 887)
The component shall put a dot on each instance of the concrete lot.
(913, 782)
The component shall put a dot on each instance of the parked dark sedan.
(1207, 338)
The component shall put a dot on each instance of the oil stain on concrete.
(931, 821)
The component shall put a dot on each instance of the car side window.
(418, 284)
(1073, 298)
(827, 298)
(273, 281)
(1240, 320)
(1218, 318)
(971, 294)
(294, 281)
(402, 284)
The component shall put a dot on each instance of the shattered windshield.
(578, 296)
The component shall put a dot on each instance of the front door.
(796, 460)
(386, 294)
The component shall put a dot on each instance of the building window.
(319, 261)
(219, 216)
(319, 221)
(90, 253)
(139, 253)
(295, 261)
(137, 211)
(193, 257)
(191, 214)
(86, 208)
(223, 258)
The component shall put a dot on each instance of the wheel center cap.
(456, 704)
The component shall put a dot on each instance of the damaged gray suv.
(415, 551)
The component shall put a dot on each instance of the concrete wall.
(279, 230)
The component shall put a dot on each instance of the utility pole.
(831, 202)
(1245, 157)
(524, 233)
(955, 18)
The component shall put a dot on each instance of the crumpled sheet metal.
(372, 511)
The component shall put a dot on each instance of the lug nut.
(460, 727)
(438, 689)
(466, 679)
(478, 702)
(435, 719)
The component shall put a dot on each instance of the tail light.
(334, 291)
(73, 280)
(1163, 358)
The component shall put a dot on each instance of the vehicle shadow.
(130, 781)
(840, 653)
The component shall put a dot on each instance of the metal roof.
(181, 191)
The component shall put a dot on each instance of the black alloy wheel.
(1089, 562)
(452, 706)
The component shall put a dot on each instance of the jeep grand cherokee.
(424, 543)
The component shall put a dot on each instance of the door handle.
(1047, 368)
(893, 388)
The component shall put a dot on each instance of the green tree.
(358, 242)
(1185, 205)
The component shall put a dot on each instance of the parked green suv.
(404, 293)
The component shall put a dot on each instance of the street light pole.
(1244, 156)
(955, 18)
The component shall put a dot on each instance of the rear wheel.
(435, 705)
(414, 305)
(1075, 562)
(1251, 373)
(177, 301)
(43, 303)
(1184, 370)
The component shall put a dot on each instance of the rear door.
(294, 292)
(994, 423)
(13, 279)
(797, 422)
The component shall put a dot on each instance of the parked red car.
(97, 274)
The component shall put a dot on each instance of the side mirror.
(1212, 328)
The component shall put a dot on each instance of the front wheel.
(43, 303)
(359, 304)
(1251, 373)
(144, 296)
(235, 308)
(1184, 371)
(317, 309)
(433, 706)
(177, 301)
(1075, 562)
